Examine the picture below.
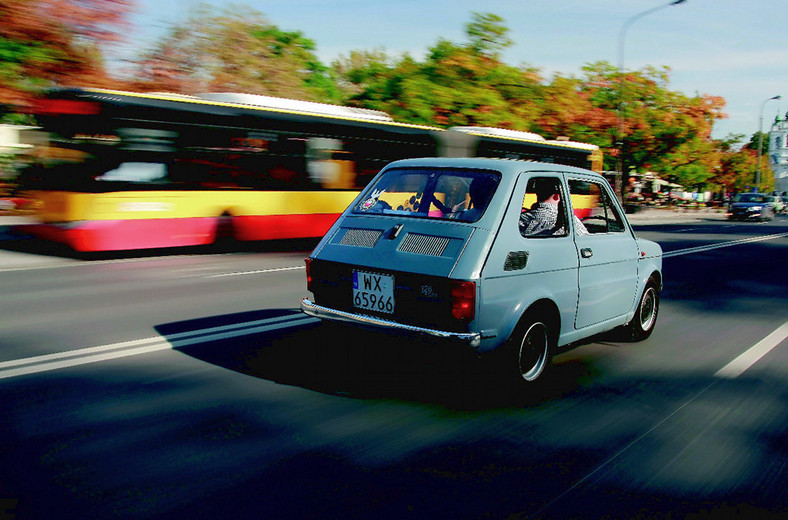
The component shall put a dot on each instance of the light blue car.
(472, 251)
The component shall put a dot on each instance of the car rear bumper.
(318, 311)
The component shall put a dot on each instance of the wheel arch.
(546, 310)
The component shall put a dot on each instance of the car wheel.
(527, 353)
(645, 318)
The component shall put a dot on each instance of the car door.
(607, 252)
(530, 264)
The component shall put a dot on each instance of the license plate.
(373, 292)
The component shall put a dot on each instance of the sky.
(736, 49)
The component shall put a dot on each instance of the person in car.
(479, 193)
(544, 217)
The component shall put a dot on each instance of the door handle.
(586, 252)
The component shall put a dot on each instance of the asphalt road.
(184, 385)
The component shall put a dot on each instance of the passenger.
(543, 218)
(479, 193)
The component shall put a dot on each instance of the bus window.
(136, 172)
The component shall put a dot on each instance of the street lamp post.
(760, 142)
(621, 39)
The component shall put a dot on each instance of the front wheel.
(642, 324)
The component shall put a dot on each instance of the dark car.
(751, 206)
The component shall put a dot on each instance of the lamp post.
(621, 39)
(760, 142)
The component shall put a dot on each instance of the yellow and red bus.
(126, 170)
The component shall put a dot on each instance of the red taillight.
(308, 262)
(463, 300)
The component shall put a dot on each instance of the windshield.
(751, 197)
(430, 193)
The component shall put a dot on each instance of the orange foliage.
(56, 42)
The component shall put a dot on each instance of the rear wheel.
(533, 352)
(527, 353)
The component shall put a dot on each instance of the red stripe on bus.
(114, 235)
(272, 227)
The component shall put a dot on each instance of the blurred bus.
(125, 170)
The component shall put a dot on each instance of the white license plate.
(374, 292)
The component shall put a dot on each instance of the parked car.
(434, 247)
(751, 206)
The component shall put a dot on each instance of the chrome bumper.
(318, 311)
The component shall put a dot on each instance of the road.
(188, 386)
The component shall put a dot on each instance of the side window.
(593, 209)
(544, 208)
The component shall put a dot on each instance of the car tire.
(645, 318)
(528, 352)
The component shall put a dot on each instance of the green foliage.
(236, 50)
(487, 34)
(632, 115)
(46, 43)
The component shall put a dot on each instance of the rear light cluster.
(308, 262)
(463, 300)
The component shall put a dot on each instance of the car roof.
(507, 167)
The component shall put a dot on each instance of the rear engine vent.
(423, 244)
(360, 237)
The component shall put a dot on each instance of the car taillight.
(308, 262)
(463, 300)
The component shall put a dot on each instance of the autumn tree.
(457, 84)
(737, 165)
(234, 50)
(467, 84)
(647, 125)
(45, 43)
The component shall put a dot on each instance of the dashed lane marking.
(719, 245)
(754, 354)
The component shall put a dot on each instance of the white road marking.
(709, 247)
(71, 358)
(259, 271)
(736, 367)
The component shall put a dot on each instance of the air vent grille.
(423, 244)
(360, 237)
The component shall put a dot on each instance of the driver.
(542, 217)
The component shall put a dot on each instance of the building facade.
(778, 154)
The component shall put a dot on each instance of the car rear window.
(430, 193)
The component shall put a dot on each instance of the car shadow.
(358, 364)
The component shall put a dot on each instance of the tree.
(737, 165)
(235, 50)
(457, 84)
(487, 34)
(45, 43)
(664, 131)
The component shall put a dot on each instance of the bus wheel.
(223, 234)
